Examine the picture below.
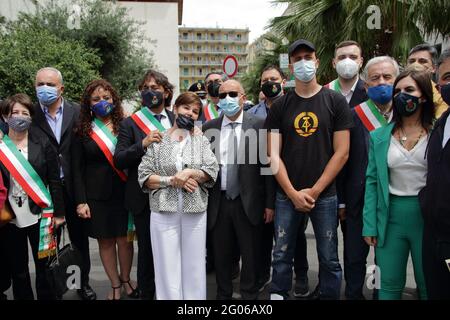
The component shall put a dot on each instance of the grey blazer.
(160, 159)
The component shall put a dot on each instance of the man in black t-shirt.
(308, 145)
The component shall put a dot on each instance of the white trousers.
(179, 249)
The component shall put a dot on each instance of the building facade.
(203, 50)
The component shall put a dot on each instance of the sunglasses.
(232, 94)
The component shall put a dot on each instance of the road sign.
(230, 66)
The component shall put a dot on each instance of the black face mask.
(271, 89)
(151, 98)
(405, 104)
(213, 89)
(184, 122)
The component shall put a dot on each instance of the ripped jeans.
(324, 220)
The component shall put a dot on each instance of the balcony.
(191, 51)
(213, 40)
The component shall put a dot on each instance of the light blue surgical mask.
(230, 106)
(305, 70)
(47, 95)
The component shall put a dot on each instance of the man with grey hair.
(56, 117)
(379, 76)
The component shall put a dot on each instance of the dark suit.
(76, 225)
(128, 155)
(42, 158)
(351, 193)
(241, 217)
(359, 95)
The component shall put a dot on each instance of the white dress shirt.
(348, 95)
(165, 121)
(446, 132)
(225, 134)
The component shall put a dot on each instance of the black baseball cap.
(198, 88)
(300, 43)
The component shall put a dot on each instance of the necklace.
(403, 138)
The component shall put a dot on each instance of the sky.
(254, 14)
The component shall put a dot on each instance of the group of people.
(204, 184)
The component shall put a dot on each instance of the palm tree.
(404, 23)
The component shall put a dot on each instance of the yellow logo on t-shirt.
(306, 124)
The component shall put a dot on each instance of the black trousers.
(17, 257)
(5, 270)
(355, 256)
(437, 274)
(233, 225)
(78, 236)
(145, 268)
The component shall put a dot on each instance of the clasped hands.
(304, 200)
(184, 179)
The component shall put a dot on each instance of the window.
(186, 71)
(211, 36)
(199, 59)
(225, 48)
(199, 36)
(238, 48)
(225, 37)
(200, 71)
(199, 48)
(185, 35)
(185, 59)
(186, 84)
(238, 37)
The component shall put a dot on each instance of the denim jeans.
(324, 220)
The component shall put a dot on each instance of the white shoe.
(275, 296)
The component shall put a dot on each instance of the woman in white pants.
(176, 173)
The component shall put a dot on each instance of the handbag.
(66, 263)
(6, 214)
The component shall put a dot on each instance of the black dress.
(97, 184)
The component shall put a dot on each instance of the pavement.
(100, 283)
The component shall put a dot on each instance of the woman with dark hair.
(30, 171)
(99, 186)
(396, 172)
(176, 173)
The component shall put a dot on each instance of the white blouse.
(19, 202)
(407, 169)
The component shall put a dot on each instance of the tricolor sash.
(210, 112)
(22, 171)
(370, 115)
(146, 121)
(107, 142)
(334, 85)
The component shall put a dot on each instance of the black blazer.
(70, 117)
(434, 198)
(359, 95)
(128, 155)
(257, 191)
(351, 181)
(93, 176)
(42, 157)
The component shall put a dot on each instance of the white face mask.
(347, 68)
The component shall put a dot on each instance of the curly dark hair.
(84, 127)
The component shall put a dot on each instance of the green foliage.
(24, 51)
(103, 26)
(404, 24)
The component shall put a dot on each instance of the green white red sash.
(146, 121)
(370, 115)
(107, 142)
(22, 171)
(334, 85)
(210, 112)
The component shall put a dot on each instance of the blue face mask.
(305, 70)
(381, 94)
(445, 93)
(229, 105)
(102, 108)
(47, 95)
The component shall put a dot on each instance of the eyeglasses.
(232, 94)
